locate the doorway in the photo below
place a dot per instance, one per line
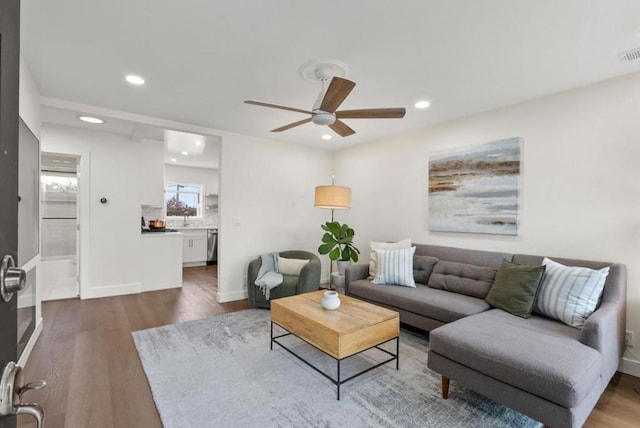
(60, 219)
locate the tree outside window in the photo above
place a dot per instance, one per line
(183, 200)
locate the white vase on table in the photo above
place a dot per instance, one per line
(331, 300)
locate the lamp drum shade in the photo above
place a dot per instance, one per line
(333, 197)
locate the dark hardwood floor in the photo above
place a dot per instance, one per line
(95, 378)
(87, 355)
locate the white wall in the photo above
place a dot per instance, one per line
(110, 233)
(151, 178)
(269, 186)
(580, 192)
(29, 106)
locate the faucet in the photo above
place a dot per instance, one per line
(185, 220)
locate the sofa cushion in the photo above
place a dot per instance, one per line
(537, 355)
(570, 293)
(422, 268)
(515, 288)
(291, 266)
(395, 267)
(462, 278)
(437, 304)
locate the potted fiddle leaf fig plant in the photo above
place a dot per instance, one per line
(337, 242)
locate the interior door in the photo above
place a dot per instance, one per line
(9, 81)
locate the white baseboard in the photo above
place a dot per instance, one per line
(230, 297)
(630, 367)
(30, 344)
(111, 290)
(192, 264)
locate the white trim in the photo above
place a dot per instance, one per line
(630, 367)
(117, 114)
(230, 297)
(112, 290)
(192, 264)
(30, 344)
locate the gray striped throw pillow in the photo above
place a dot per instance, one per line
(569, 294)
(395, 267)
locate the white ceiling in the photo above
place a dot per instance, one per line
(202, 59)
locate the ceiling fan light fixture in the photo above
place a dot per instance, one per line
(323, 118)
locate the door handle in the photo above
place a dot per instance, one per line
(12, 279)
(11, 389)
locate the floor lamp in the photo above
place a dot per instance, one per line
(332, 198)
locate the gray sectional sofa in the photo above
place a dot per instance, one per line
(541, 367)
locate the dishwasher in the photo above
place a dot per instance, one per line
(212, 246)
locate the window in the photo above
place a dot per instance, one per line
(183, 199)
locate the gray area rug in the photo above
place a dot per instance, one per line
(219, 372)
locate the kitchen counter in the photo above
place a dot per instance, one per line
(160, 234)
(193, 227)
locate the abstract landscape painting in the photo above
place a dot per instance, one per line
(475, 189)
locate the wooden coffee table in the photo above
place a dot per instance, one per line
(354, 327)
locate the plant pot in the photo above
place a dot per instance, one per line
(342, 265)
(337, 280)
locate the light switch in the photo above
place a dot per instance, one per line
(236, 221)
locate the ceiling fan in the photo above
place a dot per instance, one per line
(325, 109)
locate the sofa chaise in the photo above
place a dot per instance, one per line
(550, 371)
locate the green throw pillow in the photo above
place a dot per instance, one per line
(515, 288)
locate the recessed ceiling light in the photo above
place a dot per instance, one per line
(66, 161)
(57, 161)
(422, 104)
(198, 143)
(134, 80)
(90, 119)
(326, 137)
(174, 160)
(185, 153)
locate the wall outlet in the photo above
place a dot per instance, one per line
(629, 339)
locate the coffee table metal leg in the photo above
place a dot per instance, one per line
(338, 384)
(339, 381)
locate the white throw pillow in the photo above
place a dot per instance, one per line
(569, 293)
(291, 266)
(395, 267)
(405, 243)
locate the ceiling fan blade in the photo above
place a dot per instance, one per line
(341, 128)
(259, 103)
(337, 92)
(291, 125)
(372, 113)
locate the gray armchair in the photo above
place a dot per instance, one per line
(309, 279)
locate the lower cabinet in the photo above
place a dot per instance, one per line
(194, 246)
(161, 267)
